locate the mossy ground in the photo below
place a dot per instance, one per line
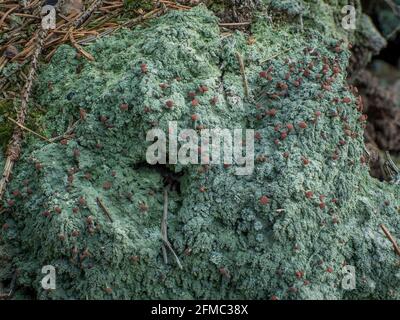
(324, 210)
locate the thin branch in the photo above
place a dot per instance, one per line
(3, 18)
(391, 239)
(104, 208)
(243, 72)
(29, 130)
(234, 24)
(66, 133)
(164, 226)
(79, 48)
(395, 8)
(276, 55)
(164, 235)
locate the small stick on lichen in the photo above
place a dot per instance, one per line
(66, 133)
(395, 7)
(276, 55)
(79, 48)
(12, 288)
(234, 24)
(27, 129)
(164, 234)
(391, 239)
(104, 208)
(164, 226)
(243, 73)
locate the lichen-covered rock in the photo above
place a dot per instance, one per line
(286, 231)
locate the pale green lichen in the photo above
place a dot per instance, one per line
(239, 248)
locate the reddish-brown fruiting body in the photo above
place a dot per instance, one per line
(285, 154)
(224, 272)
(82, 201)
(143, 68)
(203, 89)
(363, 118)
(124, 107)
(309, 194)
(89, 220)
(107, 185)
(305, 161)
(135, 259)
(75, 233)
(264, 200)
(302, 125)
(282, 86)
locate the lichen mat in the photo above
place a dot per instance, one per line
(286, 231)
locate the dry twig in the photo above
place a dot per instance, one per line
(27, 129)
(391, 239)
(164, 232)
(243, 73)
(104, 208)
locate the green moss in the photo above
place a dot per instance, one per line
(226, 228)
